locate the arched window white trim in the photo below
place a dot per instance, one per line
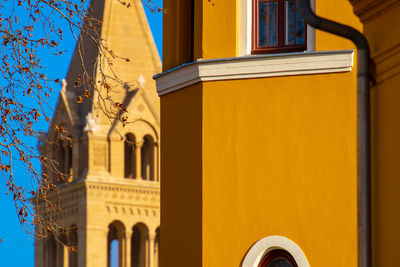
(267, 244)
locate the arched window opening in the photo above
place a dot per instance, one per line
(148, 158)
(61, 152)
(51, 252)
(278, 258)
(61, 248)
(68, 159)
(157, 248)
(73, 247)
(64, 159)
(139, 245)
(116, 245)
(130, 157)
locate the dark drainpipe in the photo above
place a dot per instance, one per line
(363, 124)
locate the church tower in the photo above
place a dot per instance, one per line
(110, 200)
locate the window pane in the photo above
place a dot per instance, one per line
(272, 23)
(278, 29)
(289, 22)
(262, 24)
(280, 262)
(267, 23)
(300, 26)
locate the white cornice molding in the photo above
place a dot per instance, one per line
(259, 66)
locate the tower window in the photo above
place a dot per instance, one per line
(68, 163)
(62, 153)
(130, 158)
(51, 252)
(148, 158)
(64, 159)
(139, 245)
(116, 245)
(157, 248)
(277, 258)
(73, 243)
(277, 27)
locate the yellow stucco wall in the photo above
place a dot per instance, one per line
(245, 159)
(386, 172)
(234, 174)
(181, 199)
(219, 29)
(342, 12)
(382, 29)
(177, 33)
(279, 158)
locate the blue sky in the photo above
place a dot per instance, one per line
(16, 248)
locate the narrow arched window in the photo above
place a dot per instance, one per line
(62, 153)
(147, 161)
(115, 245)
(51, 252)
(68, 159)
(157, 248)
(62, 247)
(130, 158)
(277, 258)
(73, 247)
(64, 159)
(139, 245)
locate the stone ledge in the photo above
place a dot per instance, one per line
(258, 66)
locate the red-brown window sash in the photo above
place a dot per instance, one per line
(281, 46)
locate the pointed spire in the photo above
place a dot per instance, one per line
(126, 32)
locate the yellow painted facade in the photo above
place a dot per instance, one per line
(382, 29)
(281, 169)
(215, 29)
(248, 158)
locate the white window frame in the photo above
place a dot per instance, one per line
(267, 244)
(245, 19)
